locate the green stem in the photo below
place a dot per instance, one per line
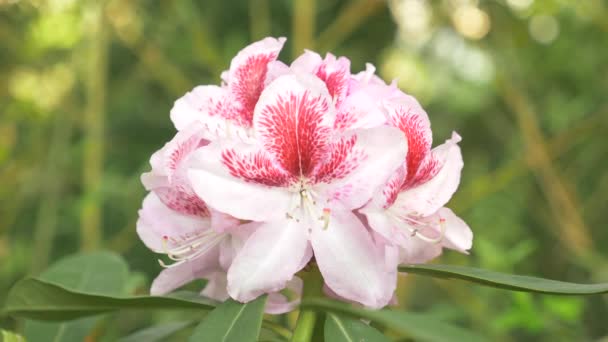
(313, 287)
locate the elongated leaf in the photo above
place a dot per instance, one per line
(37, 299)
(232, 322)
(417, 326)
(102, 273)
(157, 332)
(505, 281)
(343, 329)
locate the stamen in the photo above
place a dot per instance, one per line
(190, 248)
(415, 232)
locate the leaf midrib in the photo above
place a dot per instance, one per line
(233, 323)
(341, 327)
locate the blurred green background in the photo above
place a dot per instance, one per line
(86, 88)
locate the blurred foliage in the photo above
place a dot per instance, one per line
(86, 88)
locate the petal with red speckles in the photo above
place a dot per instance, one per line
(209, 105)
(441, 170)
(235, 185)
(168, 175)
(160, 227)
(405, 113)
(335, 72)
(247, 76)
(354, 174)
(293, 121)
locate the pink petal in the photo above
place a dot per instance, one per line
(276, 69)
(351, 264)
(368, 77)
(168, 175)
(248, 73)
(306, 63)
(230, 247)
(160, 227)
(293, 121)
(458, 235)
(216, 286)
(442, 169)
(221, 190)
(177, 276)
(363, 108)
(209, 105)
(354, 176)
(379, 222)
(268, 260)
(278, 303)
(221, 222)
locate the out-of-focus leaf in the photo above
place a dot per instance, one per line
(505, 281)
(102, 273)
(232, 322)
(342, 329)
(417, 326)
(9, 336)
(37, 299)
(157, 332)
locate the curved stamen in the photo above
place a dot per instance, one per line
(415, 232)
(191, 248)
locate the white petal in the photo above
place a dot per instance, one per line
(458, 235)
(156, 221)
(268, 260)
(176, 276)
(212, 181)
(416, 251)
(351, 264)
(379, 221)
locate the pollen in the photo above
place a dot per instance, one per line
(325, 217)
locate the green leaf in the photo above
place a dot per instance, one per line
(417, 326)
(156, 333)
(232, 321)
(37, 299)
(102, 273)
(9, 336)
(342, 329)
(505, 281)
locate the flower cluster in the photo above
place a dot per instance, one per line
(282, 165)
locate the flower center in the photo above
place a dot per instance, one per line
(304, 205)
(182, 250)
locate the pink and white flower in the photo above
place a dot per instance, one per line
(301, 179)
(282, 165)
(408, 210)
